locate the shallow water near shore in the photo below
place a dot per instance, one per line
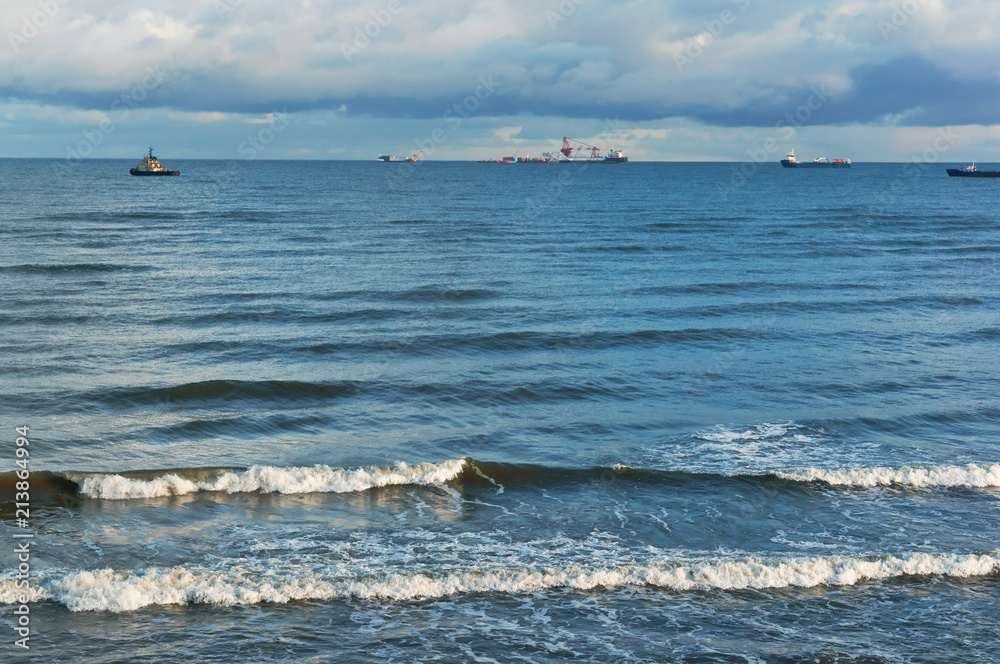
(451, 412)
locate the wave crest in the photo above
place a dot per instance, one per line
(269, 479)
(243, 582)
(970, 475)
(64, 487)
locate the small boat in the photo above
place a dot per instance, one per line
(388, 157)
(819, 162)
(972, 172)
(150, 166)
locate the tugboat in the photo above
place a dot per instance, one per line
(389, 157)
(150, 166)
(819, 162)
(972, 172)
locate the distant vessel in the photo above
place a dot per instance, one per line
(546, 158)
(503, 160)
(386, 157)
(150, 166)
(581, 153)
(819, 162)
(572, 154)
(972, 172)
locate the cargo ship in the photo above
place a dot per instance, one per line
(546, 158)
(151, 166)
(588, 154)
(972, 172)
(819, 162)
(387, 157)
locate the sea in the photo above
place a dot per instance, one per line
(308, 411)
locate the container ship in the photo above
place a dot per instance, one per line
(819, 162)
(151, 166)
(972, 172)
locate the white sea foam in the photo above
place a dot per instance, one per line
(266, 479)
(970, 475)
(751, 449)
(245, 582)
(757, 432)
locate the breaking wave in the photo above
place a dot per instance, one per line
(69, 486)
(252, 582)
(268, 479)
(969, 475)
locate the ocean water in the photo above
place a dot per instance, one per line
(458, 412)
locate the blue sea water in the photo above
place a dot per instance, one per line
(454, 412)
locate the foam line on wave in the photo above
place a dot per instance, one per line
(271, 479)
(968, 476)
(242, 582)
(324, 479)
(972, 476)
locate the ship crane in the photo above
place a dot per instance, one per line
(568, 149)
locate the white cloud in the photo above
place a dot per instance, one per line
(207, 116)
(506, 133)
(607, 58)
(259, 52)
(17, 112)
(267, 119)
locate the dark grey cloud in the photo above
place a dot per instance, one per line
(600, 59)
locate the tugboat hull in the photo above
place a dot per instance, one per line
(134, 171)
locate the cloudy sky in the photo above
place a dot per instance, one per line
(874, 80)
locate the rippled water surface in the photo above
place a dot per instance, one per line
(453, 412)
